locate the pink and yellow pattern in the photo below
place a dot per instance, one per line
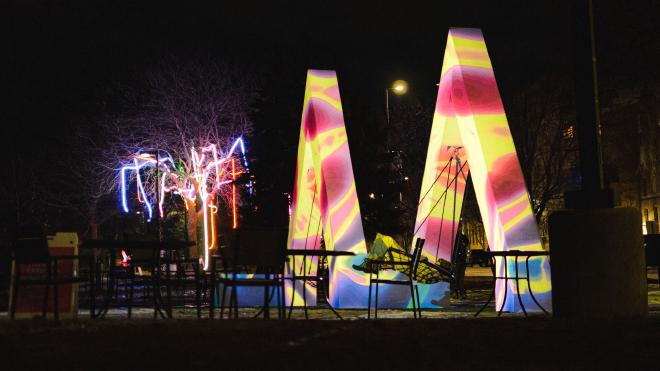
(470, 124)
(324, 198)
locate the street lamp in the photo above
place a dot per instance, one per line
(399, 87)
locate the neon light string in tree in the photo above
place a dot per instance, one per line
(208, 197)
(205, 179)
(140, 161)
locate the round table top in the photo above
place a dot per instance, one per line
(310, 252)
(515, 252)
(136, 245)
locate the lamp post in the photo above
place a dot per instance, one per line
(399, 87)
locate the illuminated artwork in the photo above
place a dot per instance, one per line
(139, 162)
(470, 134)
(203, 179)
(325, 201)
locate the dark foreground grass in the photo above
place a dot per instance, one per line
(486, 343)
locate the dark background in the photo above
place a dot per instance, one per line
(64, 60)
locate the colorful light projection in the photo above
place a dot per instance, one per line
(469, 124)
(203, 182)
(324, 198)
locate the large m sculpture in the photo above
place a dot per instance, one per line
(469, 126)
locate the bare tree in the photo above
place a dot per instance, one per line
(177, 107)
(21, 190)
(412, 122)
(399, 167)
(87, 180)
(186, 105)
(542, 122)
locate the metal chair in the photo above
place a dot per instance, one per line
(412, 262)
(252, 250)
(30, 247)
(148, 266)
(167, 270)
(117, 281)
(187, 273)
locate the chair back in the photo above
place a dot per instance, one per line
(264, 248)
(29, 245)
(416, 257)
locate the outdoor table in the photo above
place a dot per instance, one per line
(155, 247)
(515, 254)
(311, 253)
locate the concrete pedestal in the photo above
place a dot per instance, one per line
(597, 262)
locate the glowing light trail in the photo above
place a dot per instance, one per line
(208, 174)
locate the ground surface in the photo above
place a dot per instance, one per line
(458, 341)
(504, 343)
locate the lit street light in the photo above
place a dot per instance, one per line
(399, 87)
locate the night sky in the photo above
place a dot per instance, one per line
(65, 54)
(65, 57)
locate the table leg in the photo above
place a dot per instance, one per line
(154, 288)
(293, 294)
(376, 303)
(92, 291)
(333, 309)
(281, 305)
(293, 286)
(492, 293)
(369, 302)
(304, 286)
(198, 291)
(529, 286)
(326, 298)
(212, 287)
(419, 304)
(412, 297)
(56, 304)
(506, 285)
(111, 287)
(234, 295)
(168, 281)
(518, 286)
(266, 308)
(158, 299)
(319, 283)
(16, 269)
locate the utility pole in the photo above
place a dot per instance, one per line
(593, 193)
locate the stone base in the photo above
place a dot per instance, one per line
(597, 262)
